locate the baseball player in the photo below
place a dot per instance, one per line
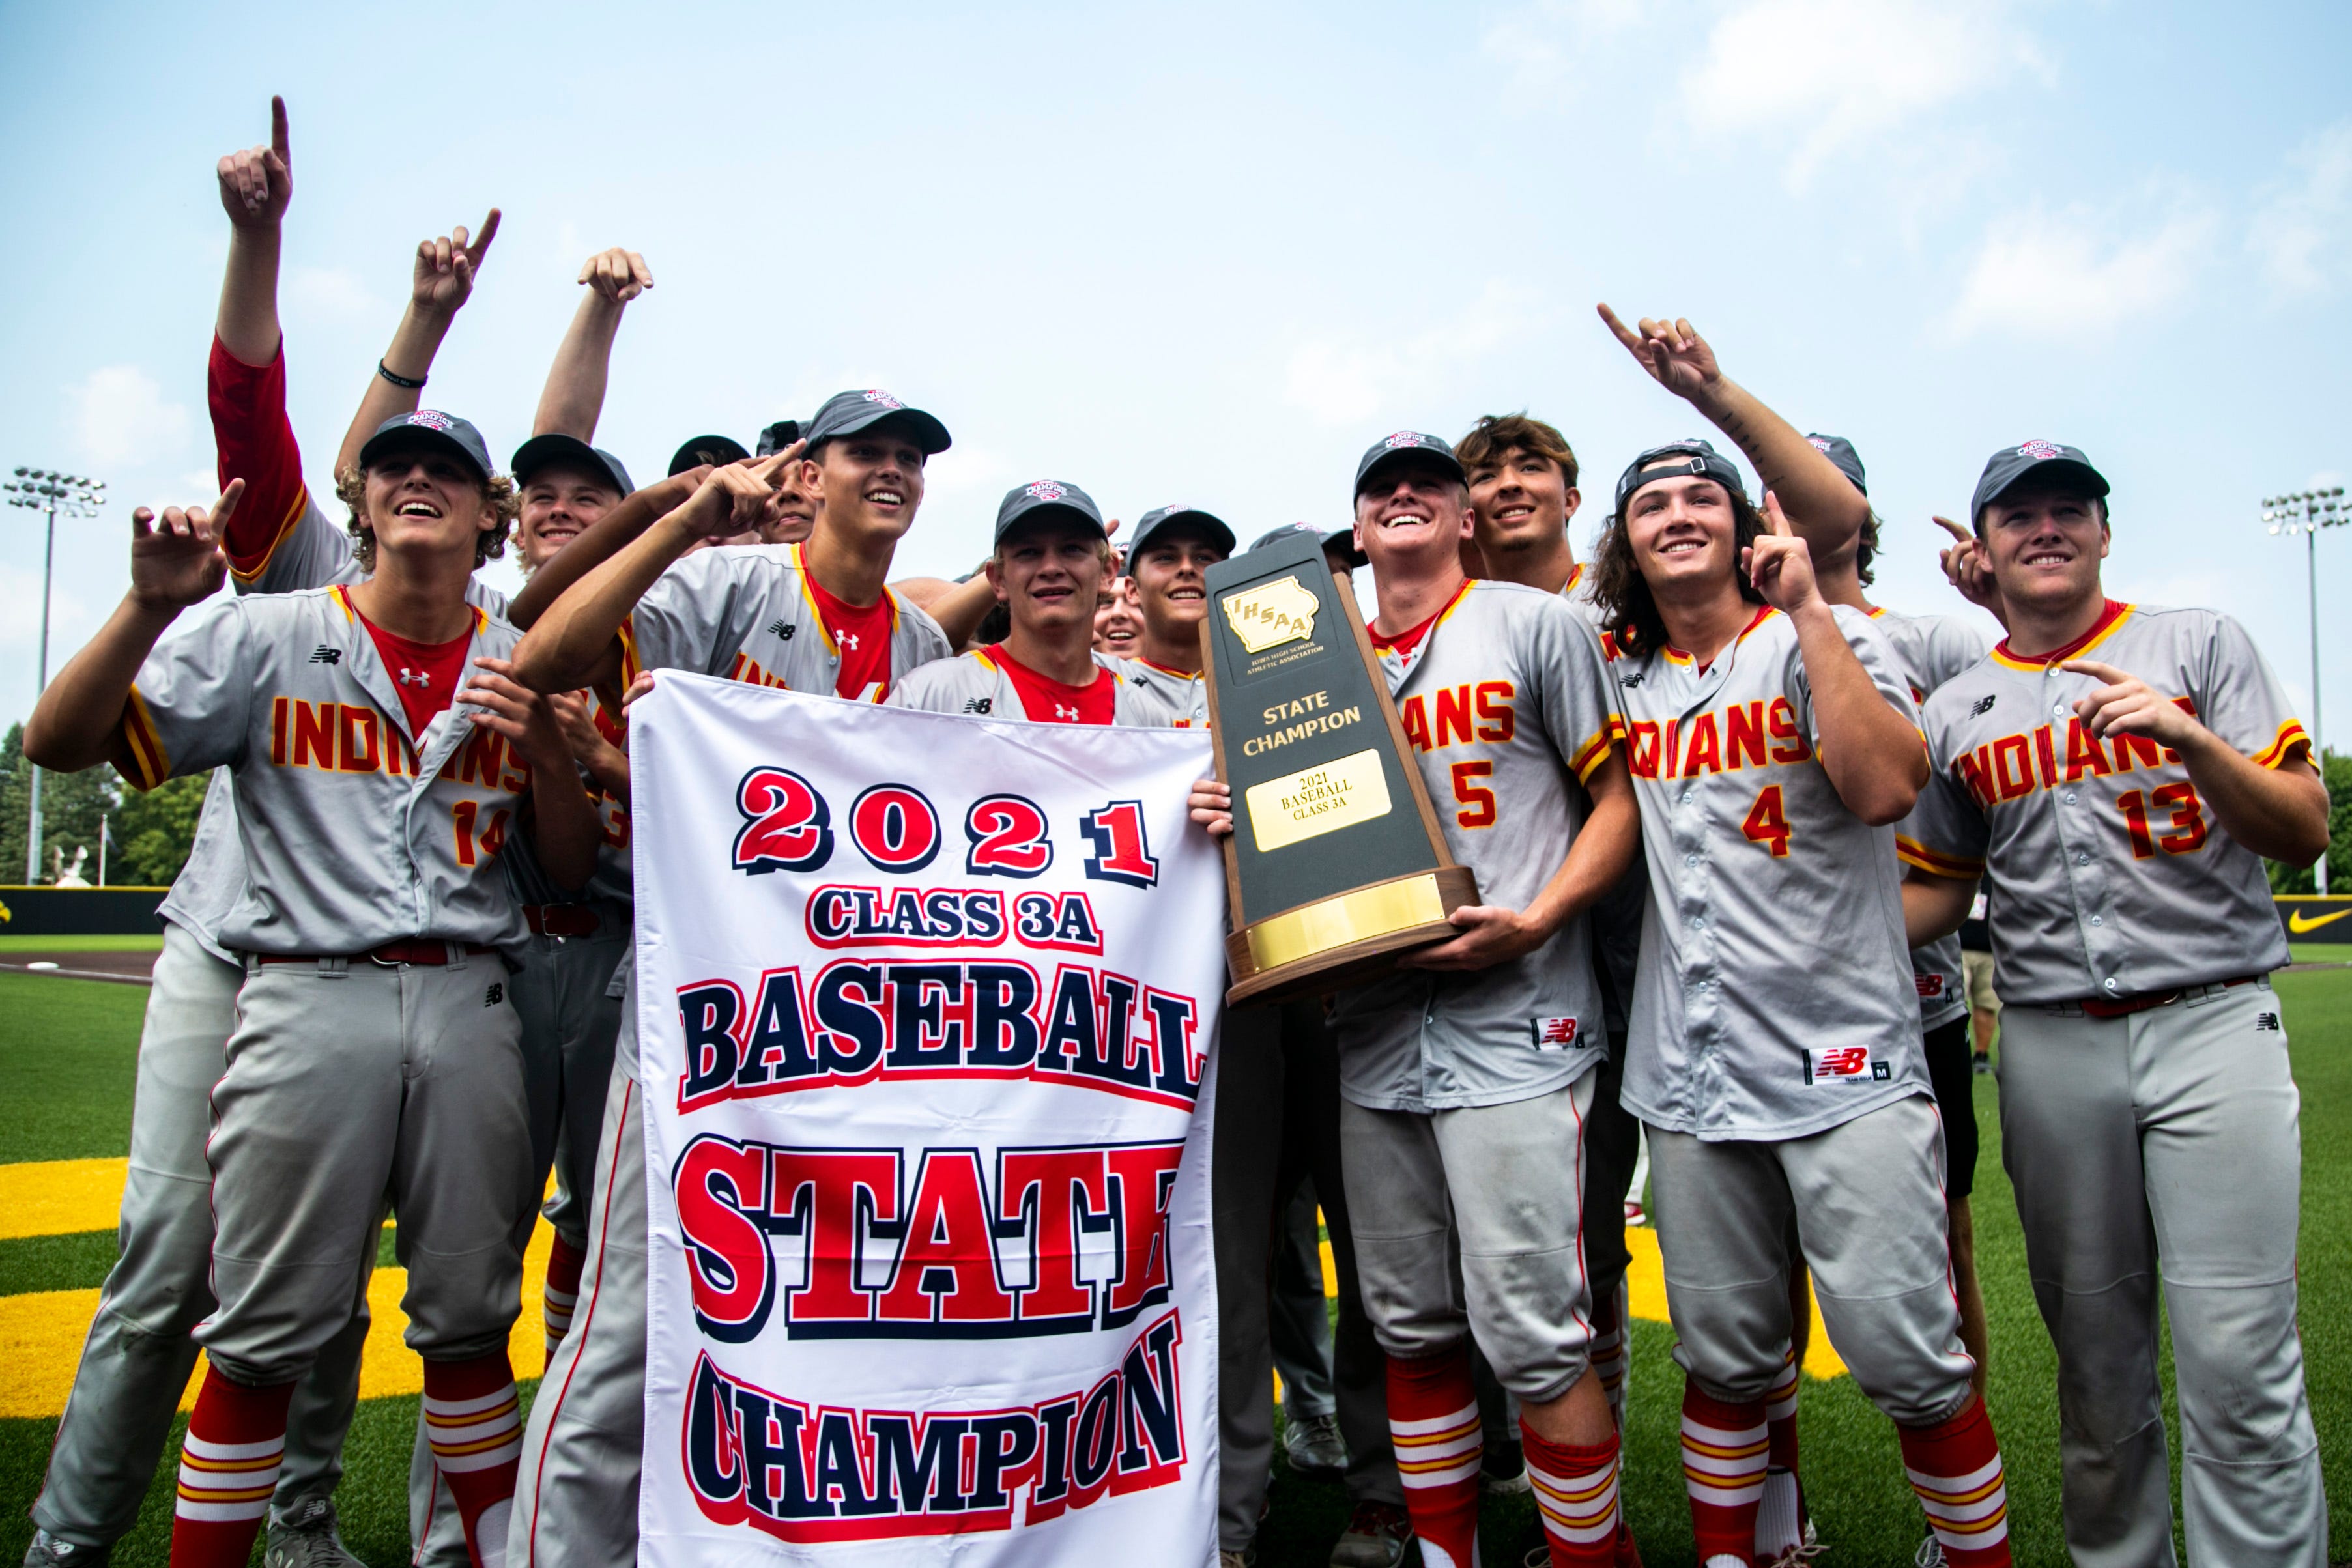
(2118, 771)
(1051, 560)
(1475, 1064)
(375, 1051)
(1166, 560)
(816, 617)
(1118, 624)
(139, 1354)
(1774, 1055)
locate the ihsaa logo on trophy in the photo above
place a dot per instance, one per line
(1271, 615)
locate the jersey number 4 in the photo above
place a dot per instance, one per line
(1766, 823)
(2187, 824)
(464, 816)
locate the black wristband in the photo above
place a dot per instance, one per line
(398, 380)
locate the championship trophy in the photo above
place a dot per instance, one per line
(1335, 864)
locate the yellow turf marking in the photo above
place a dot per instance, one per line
(41, 1336)
(59, 1197)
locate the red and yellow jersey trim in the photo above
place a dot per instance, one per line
(631, 666)
(2112, 616)
(1676, 656)
(153, 765)
(1595, 751)
(1171, 674)
(236, 564)
(1913, 853)
(1575, 575)
(341, 596)
(2291, 743)
(816, 612)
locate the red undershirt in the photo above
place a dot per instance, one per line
(1048, 701)
(862, 636)
(428, 673)
(1405, 642)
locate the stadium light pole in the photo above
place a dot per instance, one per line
(2306, 512)
(47, 490)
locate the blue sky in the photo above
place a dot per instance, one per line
(1209, 253)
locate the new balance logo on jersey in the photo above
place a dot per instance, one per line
(978, 704)
(2266, 1022)
(1982, 707)
(782, 631)
(1632, 680)
(409, 677)
(326, 655)
(497, 994)
(1553, 1034)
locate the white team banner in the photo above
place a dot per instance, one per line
(926, 1007)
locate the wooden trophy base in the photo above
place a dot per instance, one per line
(1346, 939)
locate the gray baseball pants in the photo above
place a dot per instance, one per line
(1467, 1221)
(568, 1027)
(139, 1355)
(347, 1082)
(2168, 1137)
(1868, 1202)
(576, 1502)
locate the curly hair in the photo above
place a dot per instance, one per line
(1495, 433)
(1866, 549)
(1633, 620)
(506, 505)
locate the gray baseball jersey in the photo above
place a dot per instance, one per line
(1616, 916)
(355, 832)
(1506, 701)
(1931, 650)
(1774, 997)
(1181, 700)
(745, 612)
(2109, 879)
(978, 686)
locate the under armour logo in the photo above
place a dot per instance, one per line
(409, 677)
(978, 704)
(782, 631)
(498, 993)
(326, 655)
(849, 641)
(1982, 707)
(1067, 715)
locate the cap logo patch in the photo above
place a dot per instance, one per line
(1404, 438)
(2040, 449)
(430, 419)
(1817, 443)
(1045, 490)
(875, 394)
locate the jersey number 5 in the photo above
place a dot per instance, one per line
(1477, 801)
(2188, 820)
(1766, 823)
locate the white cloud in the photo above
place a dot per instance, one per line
(2077, 271)
(1832, 74)
(1542, 42)
(119, 414)
(2305, 219)
(1345, 380)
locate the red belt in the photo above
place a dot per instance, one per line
(563, 919)
(415, 950)
(2124, 1006)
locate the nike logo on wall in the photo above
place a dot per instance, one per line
(2299, 922)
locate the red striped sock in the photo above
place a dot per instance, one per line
(1724, 1450)
(1433, 1424)
(1576, 1494)
(1955, 1467)
(229, 1467)
(474, 1422)
(562, 1290)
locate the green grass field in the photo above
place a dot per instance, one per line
(19, 942)
(66, 1073)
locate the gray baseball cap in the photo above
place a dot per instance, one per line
(1673, 461)
(1160, 518)
(1334, 541)
(1408, 446)
(1840, 451)
(846, 414)
(774, 438)
(2005, 468)
(546, 451)
(1022, 503)
(706, 451)
(431, 428)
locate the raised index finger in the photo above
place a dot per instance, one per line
(2098, 671)
(277, 138)
(767, 468)
(481, 245)
(1959, 533)
(1630, 340)
(1775, 520)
